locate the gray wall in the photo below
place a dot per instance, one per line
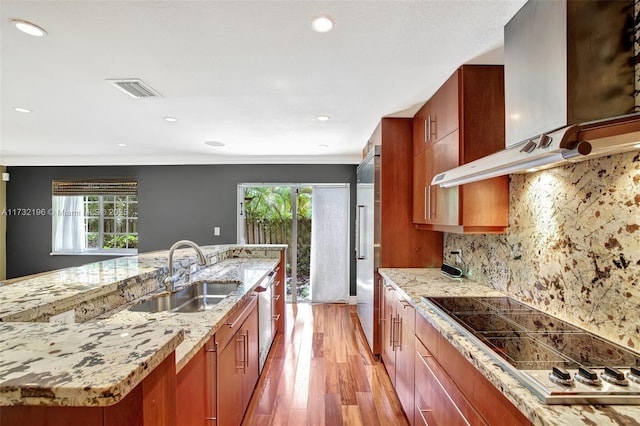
(174, 202)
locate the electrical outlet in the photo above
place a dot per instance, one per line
(458, 255)
(216, 231)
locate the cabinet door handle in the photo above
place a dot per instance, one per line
(246, 350)
(428, 201)
(426, 130)
(240, 340)
(422, 412)
(380, 304)
(240, 316)
(391, 330)
(276, 317)
(360, 249)
(276, 297)
(425, 203)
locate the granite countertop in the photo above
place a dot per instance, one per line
(78, 364)
(200, 326)
(96, 363)
(414, 283)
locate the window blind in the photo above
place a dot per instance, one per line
(95, 187)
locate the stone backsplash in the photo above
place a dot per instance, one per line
(572, 247)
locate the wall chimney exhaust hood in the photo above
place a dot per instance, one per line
(573, 143)
(568, 68)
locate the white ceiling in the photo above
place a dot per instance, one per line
(250, 74)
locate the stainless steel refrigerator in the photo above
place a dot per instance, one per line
(368, 233)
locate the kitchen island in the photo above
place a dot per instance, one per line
(412, 284)
(106, 358)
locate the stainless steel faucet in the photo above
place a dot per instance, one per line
(170, 281)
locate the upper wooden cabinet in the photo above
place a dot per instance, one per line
(403, 246)
(463, 121)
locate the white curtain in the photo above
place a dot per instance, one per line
(68, 224)
(330, 244)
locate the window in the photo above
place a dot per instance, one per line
(95, 217)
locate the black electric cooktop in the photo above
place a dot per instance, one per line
(560, 362)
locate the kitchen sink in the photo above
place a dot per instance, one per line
(199, 296)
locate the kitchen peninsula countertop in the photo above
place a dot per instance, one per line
(414, 283)
(96, 363)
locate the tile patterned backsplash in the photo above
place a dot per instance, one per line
(572, 247)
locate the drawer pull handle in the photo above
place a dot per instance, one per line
(276, 297)
(422, 413)
(276, 317)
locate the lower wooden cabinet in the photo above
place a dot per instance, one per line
(405, 356)
(438, 400)
(196, 402)
(449, 390)
(398, 335)
(238, 365)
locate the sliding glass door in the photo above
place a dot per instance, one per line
(299, 215)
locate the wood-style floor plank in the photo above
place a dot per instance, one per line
(321, 372)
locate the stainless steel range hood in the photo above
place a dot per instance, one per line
(573, 143)
(568, 68)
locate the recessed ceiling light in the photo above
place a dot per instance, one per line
(122, 144)
(28, 27)
(20, 109)
(323, 118)
(323, 146)
(171, 119)
(214, 143)
(322, 24)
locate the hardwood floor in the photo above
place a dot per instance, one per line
(321, 372)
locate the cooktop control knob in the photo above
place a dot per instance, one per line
(545, 141)
(634, 374)
(588, 377)
(615, 376)
(560, 376)
(529, 146)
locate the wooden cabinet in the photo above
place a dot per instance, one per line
(398, 335)
(449, 390)
(438, 400)
(387, 330)
(196, 402)
(402, 245)
(237, 363)
(422, 130)
(464, 122)
(405, 356)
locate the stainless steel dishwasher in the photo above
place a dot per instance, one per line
(265, 317)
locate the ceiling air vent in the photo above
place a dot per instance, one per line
(135, 88)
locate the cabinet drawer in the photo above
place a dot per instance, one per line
(234, 321)
(438, 400)
(428, 335)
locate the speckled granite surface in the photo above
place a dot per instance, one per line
(200, 326)
(78, 364)
(415, 283)
(572, 247)
(93, 363)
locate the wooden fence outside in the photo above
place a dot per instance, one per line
(274, 232)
